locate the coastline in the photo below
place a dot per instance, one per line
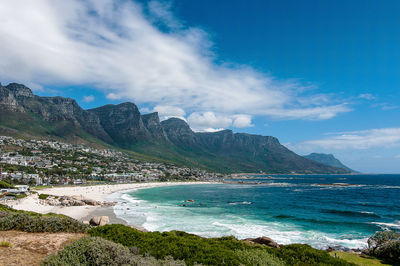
(95, 192)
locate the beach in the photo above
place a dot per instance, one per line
(95, 192)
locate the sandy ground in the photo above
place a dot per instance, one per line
(97, 192)
(32, 248)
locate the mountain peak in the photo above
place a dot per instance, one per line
(20, 90)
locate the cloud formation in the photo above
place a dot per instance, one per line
(355, 140)
(88, 98)
(142, 53)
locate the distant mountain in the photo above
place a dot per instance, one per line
(123, 126)
(328, 159)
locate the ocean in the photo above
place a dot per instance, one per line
(319, 210)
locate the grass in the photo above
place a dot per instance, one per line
(5, 244)
(357, 259)
(43, 196)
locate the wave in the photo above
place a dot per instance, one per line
(387, 225)
(351, 213)
(289, 235)
(278, 184)
(241, 203)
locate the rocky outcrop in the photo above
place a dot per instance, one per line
(99, 221)
(152, 123)
(263, 241)
(68, 201)
(179, 132)
(122, 123)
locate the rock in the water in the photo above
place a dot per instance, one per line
(263, 241)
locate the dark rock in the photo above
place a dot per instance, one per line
(263, 241)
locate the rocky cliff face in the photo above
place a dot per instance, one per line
(122, 125)
(19, 98)
(152, 123)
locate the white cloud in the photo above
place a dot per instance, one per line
(397, 156)
(367, 96)
(116, 46)
(356, 140)
(242, 121)
(209, 121)
(166, 111)
(88, 98)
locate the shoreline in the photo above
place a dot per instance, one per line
(95, 192)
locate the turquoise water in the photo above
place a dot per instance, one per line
(289, 209)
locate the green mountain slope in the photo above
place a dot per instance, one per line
(328, 159)
(122, 126)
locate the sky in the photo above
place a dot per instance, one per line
(321, 76)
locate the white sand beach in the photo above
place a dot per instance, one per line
(95, 192)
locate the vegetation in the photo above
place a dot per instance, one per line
(16, 196)
(212, 251)
(5, 185)
(385, 245)
(34, 222)
(357, 259)
(5, 244)
(98, 251)
(43, 196)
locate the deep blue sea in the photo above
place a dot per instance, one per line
(286, 208)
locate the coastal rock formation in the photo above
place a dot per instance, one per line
(263, 241)
(68, 201)
(99, 221)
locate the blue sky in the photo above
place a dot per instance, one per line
(322, 76)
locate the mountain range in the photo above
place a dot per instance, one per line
(122, 126)
(328, 159)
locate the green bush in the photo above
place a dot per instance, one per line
(381, 238)
(211, 251)
(390, 252)
(5, 185)
(98, 251)
(5, 244)
(43, 196)
(37, 223)
(258, 257)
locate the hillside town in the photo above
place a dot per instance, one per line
(49, 162)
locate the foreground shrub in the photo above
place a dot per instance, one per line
(258, 257)
(390, 252)
(5, 244)
(98, 251)
(43, 196)
(211, 251)
(381, 238)
(27, 223)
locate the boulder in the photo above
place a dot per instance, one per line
(91, 202)
(263, 241)
(104, 220)
(99, 220)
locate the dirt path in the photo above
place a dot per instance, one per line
(32, 248)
